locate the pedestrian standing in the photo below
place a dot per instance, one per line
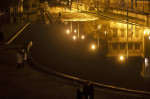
(24, 56)
(88, 90)
(19, 59)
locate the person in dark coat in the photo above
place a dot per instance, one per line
(88, 90)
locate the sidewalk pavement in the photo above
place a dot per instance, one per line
(26, 82)
(30, 83)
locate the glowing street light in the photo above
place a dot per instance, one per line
(93, 47)
(82, 37)
(105, 32)
(149, 37)
(121, 58)
(74, 37)
(144, 32)
(75, 31)
(68, 31)
(99, 26)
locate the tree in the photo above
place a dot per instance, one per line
(30, 3)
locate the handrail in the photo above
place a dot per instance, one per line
(50, 71)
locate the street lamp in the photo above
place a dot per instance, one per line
(127, 28)
(105, 32)
(93, 47)
(74, 37)
(71, 26)
(75, 31)
(144, 32)
(82, 37)
(99, 26)
(68, 31)
(121, 58)
(78, 29)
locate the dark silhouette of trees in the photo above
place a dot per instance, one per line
(31, 3)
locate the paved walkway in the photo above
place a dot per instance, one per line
(26, 82)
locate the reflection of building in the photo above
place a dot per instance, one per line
(10, 6)
(136, 5)
(146, 69)
(16, 7)
(118, 42)
(142, 5)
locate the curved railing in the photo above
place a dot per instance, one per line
(143, 94)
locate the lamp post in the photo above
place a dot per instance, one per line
(98, 34)
(97, 5)
(143, 5)
(99, 26)
(71, 26)
(78, 29)
(144, 43)
(127, 29)
(77, 5)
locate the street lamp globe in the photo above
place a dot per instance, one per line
(105, 32)
(121, 58)
(93, 47)
(82, 36)
(144, 32)
(68, 31)
(74, 37)
(75, 31)
(99, 26)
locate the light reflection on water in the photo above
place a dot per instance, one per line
(115, 35)
(101, 56)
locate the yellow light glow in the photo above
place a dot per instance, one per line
(74, 37)
(148, 32)
(144, 32)
(68, 31)
(82, 36)
(105, 32)
(99, 26)
(121, 58)
(149, 37)
(93, 46)
(75, 31)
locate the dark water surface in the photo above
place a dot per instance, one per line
(73, 54)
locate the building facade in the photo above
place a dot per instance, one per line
(138, 6)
